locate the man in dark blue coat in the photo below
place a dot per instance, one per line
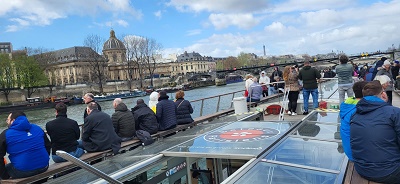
(375, 135)
(145, 119)
(377, 65)
(27, 145)
(166, 112)
(98, 131)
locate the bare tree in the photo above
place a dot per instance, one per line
(151, 50)
(98, 64)
(134, 51)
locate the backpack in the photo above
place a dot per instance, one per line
(145, 137)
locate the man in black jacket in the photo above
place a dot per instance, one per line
(145, 119)
(87, 99)
(309, 76)
(64, 134)
(166, 112)
(98, 131)
(123, 121)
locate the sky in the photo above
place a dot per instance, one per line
(217, 28)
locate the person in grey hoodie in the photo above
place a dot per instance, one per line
(344, 72)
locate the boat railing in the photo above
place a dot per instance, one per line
(218, 102)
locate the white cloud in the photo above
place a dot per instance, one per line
(244, 21)
(310, 5)
(193, 32)
(43, 12)
(122, 23)
(224, 6)
(158, 14)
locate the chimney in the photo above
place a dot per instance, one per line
(264, 49)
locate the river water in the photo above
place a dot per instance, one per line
(41, 117)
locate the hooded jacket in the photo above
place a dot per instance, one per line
(183, 111)
(27, 145)
(166, 113)
(98, 133)
(309, 77)
(153, 101)
(347, 109)
(374, 137)
(123, 121)
(145, 119)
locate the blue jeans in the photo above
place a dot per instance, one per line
(15, 173)
(306, 96)
(272, 90)
(77, 153)
(252, 99)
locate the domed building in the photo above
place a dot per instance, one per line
(114, 50)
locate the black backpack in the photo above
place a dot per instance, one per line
(145, 137)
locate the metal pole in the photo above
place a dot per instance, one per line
(233, 96)
(201, 107)
(87, 167)
(219, 99)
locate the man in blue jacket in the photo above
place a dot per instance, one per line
(347, 109)
(27, 145)
(375, 135)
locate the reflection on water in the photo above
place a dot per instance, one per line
(41, 117)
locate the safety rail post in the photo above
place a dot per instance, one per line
(233, 96)
(201, 107)
(219, 99)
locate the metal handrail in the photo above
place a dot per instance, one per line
(87, 167)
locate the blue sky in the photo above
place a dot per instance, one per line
(217, 28)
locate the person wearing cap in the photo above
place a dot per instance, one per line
(87, 99)
(264, 81)
(345, 80)
(377, 65)
(374, 136)
(385, 70)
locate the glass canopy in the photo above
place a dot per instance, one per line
(238, 140)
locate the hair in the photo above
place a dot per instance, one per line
(358, 88)
(61, 108)
(162, 93)
(92, 105)
(286, 72)
(307, 62)
(16, 114)
(90, 95)
(179, 94)
(383, 79)
(248, 76)
(277, 78)
(140, 101)
(343, 59)
(372, 88)
(117, 101)
(255, 79)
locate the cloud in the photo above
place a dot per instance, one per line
(310, 5)
(122, 23)
(244, 21)
(220, 6)
(158, 14)
(193, 32)
(43, 12)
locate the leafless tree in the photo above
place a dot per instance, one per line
(98, 64)
(133, 57)
(151, 50)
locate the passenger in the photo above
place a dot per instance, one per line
(183, 109)
(87, 99)
(153, 101)
(374, 132)
(395, 69)
(345, 80)
(98, 131)
(377, 65)
(368, 77)
(264, 81)
(276, 72)
(290, 76)
(347, 109)
(255, 92)
(123, 121)
(309, 76)
(385, 70)
(64, 134)
(384, 80)
(145, 119)
(248, 82)
(166, 112)
(27, 146)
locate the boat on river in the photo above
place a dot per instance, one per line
(122, 95)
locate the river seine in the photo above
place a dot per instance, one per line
(41, 117)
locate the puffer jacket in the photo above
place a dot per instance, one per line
(166, 113)
(293, 81)
(309, 77)
(183, 111)
(145, 119)
(347, 109)
(27, 145)
(123, 121)
(374, 137)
